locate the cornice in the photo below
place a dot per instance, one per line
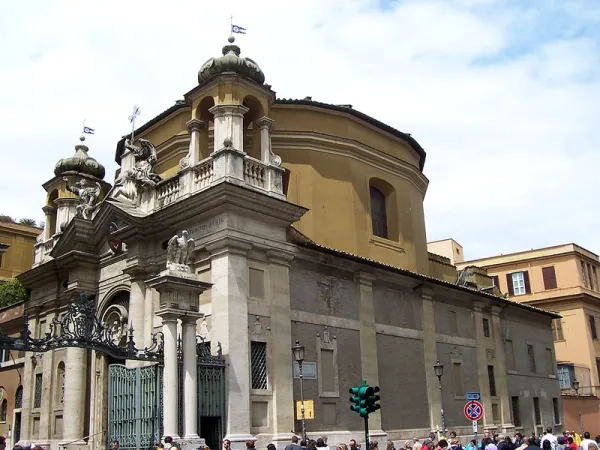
(336, 145)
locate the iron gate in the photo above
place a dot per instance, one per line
(134, 406)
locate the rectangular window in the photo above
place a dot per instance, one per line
(5, 356)
(496, 281)
(256, 282)
(492, 380)
(458, 381)
(516, 411)
(258, 360)
(557, 330)
(531, 355)
(556, 410)
(595, 277)
(37, 399)
(598, 368)
(510, 355)
(592, 321)
(536, 411)
(583, 277)
(452, 322)
(486, 327)
(566, 375)
(518, 283)
(549, 275)
(590, 277)
(550, 362)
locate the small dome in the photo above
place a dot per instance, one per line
(80, 162)
(231, 61)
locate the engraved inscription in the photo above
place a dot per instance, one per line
(206, 227)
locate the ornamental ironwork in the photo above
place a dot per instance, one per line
(80, 327)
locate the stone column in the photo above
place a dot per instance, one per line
(368, 343)
(195, 127)
(266, 125)
(190, 379)
(74, 405)
(482, 363)
(434, 399)
(28, 390)
(48, 394)
(500, 370)
(228, 123)
(281, 353)
(49, 218)
(148, 317)
(137, 309)
(65, 211)
(170, 378)
(229, 271)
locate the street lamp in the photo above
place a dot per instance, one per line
(438, 367)
(576, 387)
(298, 351)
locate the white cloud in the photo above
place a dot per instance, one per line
(503, 103)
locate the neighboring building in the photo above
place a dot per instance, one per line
(16, 249)
(314, 232)
(11, 376)
(563, 278)
(448, 248)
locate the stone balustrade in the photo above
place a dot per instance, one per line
(255, 172)
(42, 250)
(167, 191)
(203, 172)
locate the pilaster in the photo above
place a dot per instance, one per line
(49, 211)
(65, 211)
(195, 127)
(75, 405)
(281, 329)
(170, 376)
(229, 268)
(137, 305)
(482, 363)
(500, 371)
(266, 125)
(434, 399)
(28, 390)
(48, 395)
(368, 339)
(229, 124)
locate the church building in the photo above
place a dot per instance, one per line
(298, 221)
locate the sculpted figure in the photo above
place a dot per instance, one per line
(142, 173)
(87, 194)
(179, 250)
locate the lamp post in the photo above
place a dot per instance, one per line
(438, 367)
(298, 351)
(576, 387)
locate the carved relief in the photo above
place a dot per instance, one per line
(87, 196)
(115, 319)
(455, 353)
(490, 355)
(330, 293)
(204, 330)
(142, 174)
(179, 251)
(258, 329)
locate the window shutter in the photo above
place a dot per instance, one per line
(549, 277)
(509, 283)
(496, 281)
(526, 280)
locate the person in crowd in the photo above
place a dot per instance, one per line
(353, 445)
(416, 444)
(550, 437)
(472, 445)
(18, 447)
(560, 443)
(226, 444)
(303, 444)
(571, 443)
(442, 444)
(168, 443)
(159, 446)
(341, 446)
(321, 444)
(546, 445)
(586, 442)
(114, 445)
(250, 445)
(505, 443)
(534, 443)
(294, 445)
(517, 441)
(486, 440)
(272, 447)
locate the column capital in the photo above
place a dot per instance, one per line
(195, 125)
(365, 278)
(191, 319)
(265, 123)
(167, 316)
(48, 209)
(233, 109)
(279, 256)
(66, 201)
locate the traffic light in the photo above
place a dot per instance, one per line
(364, 401)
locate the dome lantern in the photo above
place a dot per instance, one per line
(231, 62)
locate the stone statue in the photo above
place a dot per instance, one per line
(142, 173)
(87, 194)
(179, 250)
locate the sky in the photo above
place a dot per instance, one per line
(503, 95)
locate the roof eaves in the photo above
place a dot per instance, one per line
(362, 116)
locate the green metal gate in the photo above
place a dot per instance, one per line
(134, 406)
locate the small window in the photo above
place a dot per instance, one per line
(486, 328)
(549, 276)
(594, 273)
(593, 330)
(37, 399)
(583, 277)
(458, 380)
(378, 213)
(550, 362)
(492, 380)
(258, 360)
(557, 330)
(510, 355)
(536, 411)
(496, 281)
(19, 397)
(3, 410)
(591, 277)
(531, 355)
(516, 411)
(556, 410)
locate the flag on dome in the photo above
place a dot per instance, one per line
(238, 29)
(88, 130)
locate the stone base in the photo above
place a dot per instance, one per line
(191, 443)
(238, 441)
(79, 445)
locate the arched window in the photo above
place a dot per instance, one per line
(378, 213)
(19, 398)
(60, 384)
(3, 410)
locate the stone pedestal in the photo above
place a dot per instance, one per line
(179, 291)
(228, 163)
(228, 124)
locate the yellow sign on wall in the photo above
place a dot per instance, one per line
(309, 410)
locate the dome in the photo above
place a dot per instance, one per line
(231, 61)
(80, 162)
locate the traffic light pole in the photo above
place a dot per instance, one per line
(367, 439)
